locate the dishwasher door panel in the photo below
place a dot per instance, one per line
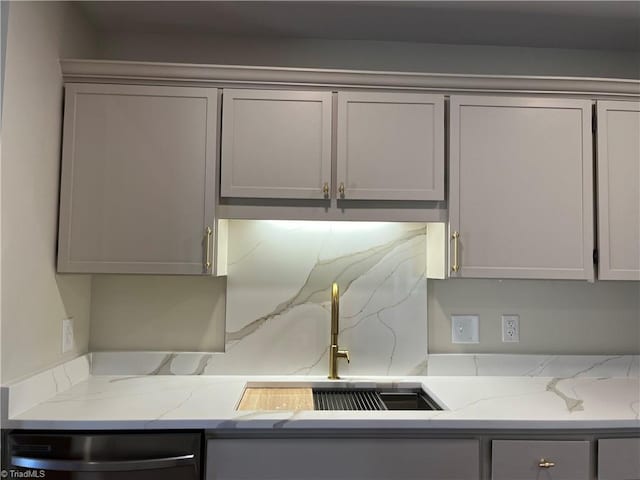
(106, 455)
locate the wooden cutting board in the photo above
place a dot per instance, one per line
(276, 399)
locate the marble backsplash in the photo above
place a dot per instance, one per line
(562, 366)
(25, 393)
(278, 298)
(438, 365)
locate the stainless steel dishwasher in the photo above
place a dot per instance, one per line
(105, 455)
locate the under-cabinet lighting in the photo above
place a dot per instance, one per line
(327, 226)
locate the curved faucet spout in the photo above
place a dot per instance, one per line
(334, 350)
(335, 313)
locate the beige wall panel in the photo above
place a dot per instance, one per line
(175, 313)
(556, 317)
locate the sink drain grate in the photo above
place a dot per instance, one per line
(347, 400)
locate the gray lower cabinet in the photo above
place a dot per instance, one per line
(521, 188)
(138, 180)
(618, 190)
(619, 459)
(540, 459)
(343, 459)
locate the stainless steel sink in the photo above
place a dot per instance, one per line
(360, 395)
(392, 398)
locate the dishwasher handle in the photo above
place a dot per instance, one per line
(104, 466)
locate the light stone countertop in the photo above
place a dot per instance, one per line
(209, 402)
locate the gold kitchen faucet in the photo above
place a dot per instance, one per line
(334, 351)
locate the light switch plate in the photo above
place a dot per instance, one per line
(68, 342)
(465, 329)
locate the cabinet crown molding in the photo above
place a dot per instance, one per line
(109, 71)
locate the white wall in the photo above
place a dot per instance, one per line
(4, 17)
(34, 298)
(358, 54)
(557, 317)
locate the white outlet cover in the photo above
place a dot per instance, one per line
(511, 328)
(465, 329)
(68, 340)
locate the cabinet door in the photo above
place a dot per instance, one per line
(537, 460)
(276, 144)
(619, 459)
(343, 459)
(138, 179)
(619, 190)
(390, 146)
(521, 196)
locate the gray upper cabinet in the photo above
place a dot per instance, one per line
(521, 188)
(138, 179)
(276, 144)
(390, 146)
(619, 190)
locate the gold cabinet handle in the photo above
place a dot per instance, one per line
(456, 266)
(325, 189)
(545, 463)
(341, 189)
(209, 232)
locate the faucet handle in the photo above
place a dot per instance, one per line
(344, 354)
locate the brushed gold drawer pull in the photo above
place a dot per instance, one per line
(545, 463)
(456, 266)
(325, 189)
(341, 189)
(209, 232)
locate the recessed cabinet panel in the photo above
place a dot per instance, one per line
(342, 459)
(138, 179)
(276, 144)
(536, 460)
(619, 190)
(619, 459)
(390, 146)
(521, 191)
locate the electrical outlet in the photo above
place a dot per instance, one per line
(465, 329)
(511, 328)
(68, 342)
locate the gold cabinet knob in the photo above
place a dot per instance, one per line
(325, 189)
(341, 189)
(545, 463)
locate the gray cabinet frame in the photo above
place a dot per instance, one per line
(92, 201)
